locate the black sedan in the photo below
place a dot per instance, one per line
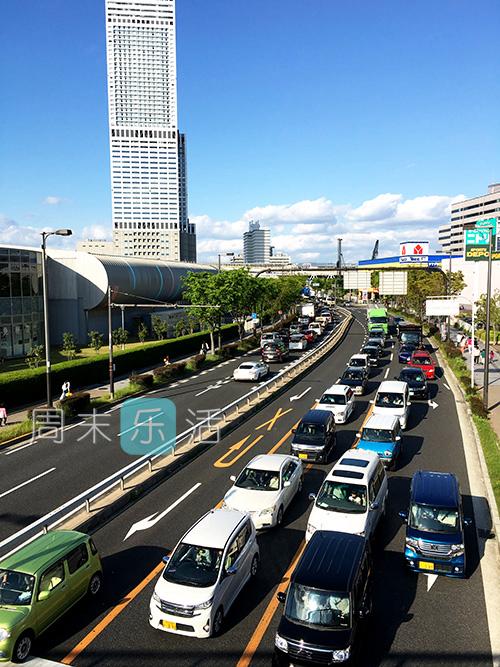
(373, 352)
(405, 352)
(356, 378)
(416, 381)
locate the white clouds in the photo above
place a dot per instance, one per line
(52, 200)
(308, 229)
(12, 232)
(96, 233)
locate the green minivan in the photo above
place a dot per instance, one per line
(39, 583)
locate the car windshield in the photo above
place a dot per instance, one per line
(371, 351)
(342, 497)
(16, 588)
(433, 519)
(357, 363)
(333, 399)
(353, 375)
(311, 606)
(258, 480)
(314, 431)
(377, 435)
(387, 399)
(421, 361)
(378, 320)
(408, 348)
(375, 341)
(296, 338)
(193, 566)
(408, 376)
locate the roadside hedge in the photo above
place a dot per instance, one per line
(19, 388)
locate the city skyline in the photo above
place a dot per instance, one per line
(315, 146)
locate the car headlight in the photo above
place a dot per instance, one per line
(268, 510)
(457, 549)
(281, 643)
(156, 598)
(4, 634)
(361, 534)
(343, 654)
(388, 453)
(224, 505)
(204, 605)
(411, 543)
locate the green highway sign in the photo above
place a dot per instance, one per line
(476, 237)
(488, 222)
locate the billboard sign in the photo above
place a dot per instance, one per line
(357, 280)
(414, 252)
(488, 222)
(393, 283)
(476, 241)
(442, 307)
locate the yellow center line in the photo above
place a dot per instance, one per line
(222, 463)
(368, 415)
(271, 422)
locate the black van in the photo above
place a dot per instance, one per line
(329, 593)
(314, 437)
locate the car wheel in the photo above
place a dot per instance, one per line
(279, 518)
(95, 585)
(217, 623)
(254, 568)
(22, 647)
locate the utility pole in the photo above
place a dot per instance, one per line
(487, 337)
(110, 344)
(339, 265)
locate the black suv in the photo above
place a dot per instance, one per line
(329, 593)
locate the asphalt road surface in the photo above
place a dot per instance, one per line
(413, 622)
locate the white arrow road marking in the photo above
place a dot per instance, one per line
(151, 520)
(296, 398)
(444, 383)
(217, 385)
(20, 486)
(432, 404)
(431, 580)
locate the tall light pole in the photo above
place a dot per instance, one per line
(45, 235)
(224, 254)
(110, 345)
(487, 337)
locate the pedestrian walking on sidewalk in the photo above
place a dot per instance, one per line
(66, 390)
(3, 415)
(204, 348)
(166, 360)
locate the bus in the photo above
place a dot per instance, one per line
(378, 318)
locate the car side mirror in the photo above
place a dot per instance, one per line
(358, 435)
(467, 521)
(281, 596)
(403, 515)
(294, 430)
(286, 484)
(232, 570)
(312, 496)
(372, 402)
(166, 559)
(43, 595)
(374, 506)
(397, 438)
(408, 403)
(232, 478)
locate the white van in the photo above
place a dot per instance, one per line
(393, 398)
(359, 361)
(352, 497)
(203, 576)
(316, 326)
(339, 399)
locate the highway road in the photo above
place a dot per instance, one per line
(416, 620)
(35, 479)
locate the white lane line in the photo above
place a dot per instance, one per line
(20, 486)
(172, 386)
(183, 381)
(209, 370)
(392, 356)
(193, 377)
(202, 373)
(386, 373)
(135, 426)
(18, 449)
(444, 383)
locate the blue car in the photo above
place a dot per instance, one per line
(405, 352)
(382, 434)
(435, 536)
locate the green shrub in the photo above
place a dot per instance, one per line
(477, 407)
(76, 404)
(144, 381)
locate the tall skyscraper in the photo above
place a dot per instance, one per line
(148, 153)
(256, 244)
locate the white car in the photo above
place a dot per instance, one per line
(297, 342)
(205, 573)
(251, 371)
(338, 399)
(316, 326)
(353, 496)
(393, 398)
(265, 488)
(359, 361)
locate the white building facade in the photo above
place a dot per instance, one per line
(468, 212)
(256, 244)
(147, 151)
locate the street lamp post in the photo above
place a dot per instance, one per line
(487, 337)
(45, 235)
(110, 345)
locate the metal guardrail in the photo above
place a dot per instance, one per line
(118, 479)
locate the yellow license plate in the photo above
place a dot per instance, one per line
(302, 456)
(170, 625)
(426, 566)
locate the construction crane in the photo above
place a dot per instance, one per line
(375, 250)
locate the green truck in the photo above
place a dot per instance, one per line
(378, 319)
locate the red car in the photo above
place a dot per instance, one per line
(423, 361)
(310, 335)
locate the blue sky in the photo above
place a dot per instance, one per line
(319, 117)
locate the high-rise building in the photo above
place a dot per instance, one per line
(256, 244)
(467, 213)
(148, 153)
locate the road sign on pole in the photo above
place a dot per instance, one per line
(490, 223)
